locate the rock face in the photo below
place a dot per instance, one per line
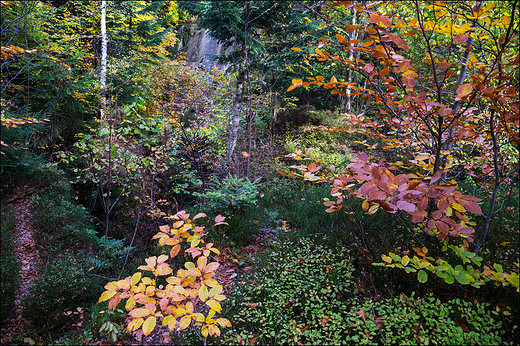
(203, 49)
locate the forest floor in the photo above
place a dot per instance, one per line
(26, 253)
(233, 267)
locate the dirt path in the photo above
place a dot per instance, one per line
(26, 253)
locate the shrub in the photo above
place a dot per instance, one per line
(62, 286)
(9, 266)
(56, 216)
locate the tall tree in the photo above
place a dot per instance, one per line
(103, 64)
(259, 34)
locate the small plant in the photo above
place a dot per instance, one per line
(299, 295)
(233, 193)
(176, 298)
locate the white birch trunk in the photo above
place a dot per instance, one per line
(103, 70)
(235, 120)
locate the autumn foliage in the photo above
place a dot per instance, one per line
(430, 122)
(175, 299)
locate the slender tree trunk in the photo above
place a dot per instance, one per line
(235, 120)
(353, 21)
(460, 80)
(103, 71)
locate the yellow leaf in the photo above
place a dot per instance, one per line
(405, 260)
(135, 278)
(365, 205)
(173, 280)
(448, 212)
(111, 286)
(213, 304)
(213, 329)
(149, 325)
(163, 271)
(194, 272)
(185, 322)
(130, 303)
(203, 293)
(139, 312)
(106, 296)
(297, 49)
(211, 267)
(134, 325)
(148, 281)
(215, 290)
(204, 331)
(189, 307)
(162, 258)
(373, 208)
(292, 87)
(386, 258)
(201, 262)
(458, 207)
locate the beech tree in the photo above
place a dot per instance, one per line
(441, 125)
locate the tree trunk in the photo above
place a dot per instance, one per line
(353, 21)
(448, 144)
(235, 120)
(103, 70)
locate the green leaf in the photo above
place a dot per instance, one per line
(462, 278)
(449, 279)
(422, 276)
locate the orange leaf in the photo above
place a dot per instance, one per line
(464, 90)
(341, 39)
(175, 250)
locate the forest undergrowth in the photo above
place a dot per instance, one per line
(345, 173)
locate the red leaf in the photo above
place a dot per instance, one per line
(443, 228)
(219, 220)
(361, 313)
(385, 20)
(376, 195)
(400, 42)
(470, 206)
(406, 206)
(436, 177)
(422, 205)
(460, 38)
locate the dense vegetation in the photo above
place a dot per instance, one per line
(350, 176)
